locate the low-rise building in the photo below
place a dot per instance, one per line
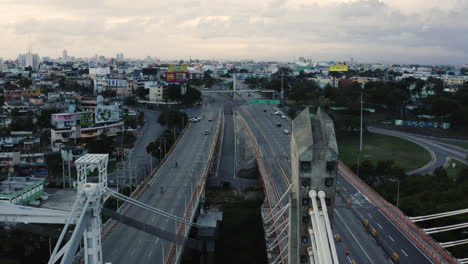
(21, 190)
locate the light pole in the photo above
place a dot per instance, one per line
(360, 131)
(398, 195)
(362, 102)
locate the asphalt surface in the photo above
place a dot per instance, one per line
(439, 151)
(127, 245)
(363, 247)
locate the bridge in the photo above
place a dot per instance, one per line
(164, 206)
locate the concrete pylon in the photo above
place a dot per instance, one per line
(314, 163)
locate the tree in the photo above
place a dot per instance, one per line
(44, 119)
(172, 93)
(173, 119)
(131, 100)
(22, 124)
(104, 144)
(191, 96)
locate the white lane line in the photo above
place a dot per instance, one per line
(380, 226)
(133, 251)
(151, 253)
(369, 215)
(154, 218)
(349, 259)
(352, 234)
(422, 253)
(391, 238)
(404, 252)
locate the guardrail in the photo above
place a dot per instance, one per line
(195, 199)
(403, 223)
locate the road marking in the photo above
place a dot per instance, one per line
(133, 251)
(391, 238)
(349, 259)
(352, 234)
(151, 253)
(369, 215)
(405, 236)
(404, 252)
(380, 226)
(154, 218)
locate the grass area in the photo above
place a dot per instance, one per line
(8, 261)
(454, 172)
(455, 143)
(241, 236)
(407, 155)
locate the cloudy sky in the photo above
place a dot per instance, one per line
(397, 31)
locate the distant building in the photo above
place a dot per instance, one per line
(29, 60)
(156, 90)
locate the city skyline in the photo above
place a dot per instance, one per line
(425, 32)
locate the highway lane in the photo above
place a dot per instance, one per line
(126, 245)
(408, 252)
(440, 152)
(363, 248)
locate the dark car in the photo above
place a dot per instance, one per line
(278, 124)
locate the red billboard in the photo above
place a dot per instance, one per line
(172, 77)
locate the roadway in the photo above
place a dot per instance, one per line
(363, 247)
(440, 152)
(127, 245)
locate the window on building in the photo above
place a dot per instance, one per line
(329, 182)
(305, 182)
(331, 166)
(306, 166)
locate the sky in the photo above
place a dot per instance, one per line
(388, 31)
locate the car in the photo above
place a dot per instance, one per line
(199, 118)
(210, 119)
(264, 110)
(206, 132)
(278, 113)
(286, 131)
(278, 124)
(283, 116)
(193, 119)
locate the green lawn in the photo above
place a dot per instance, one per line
(406, 154)
(453, 172)
(455, 143)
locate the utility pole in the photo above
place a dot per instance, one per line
(362, 102)
(398, 195)
(282, 90)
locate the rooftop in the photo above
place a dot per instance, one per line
(16, 184)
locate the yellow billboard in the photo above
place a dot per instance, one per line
(177, 68)
(338, 67)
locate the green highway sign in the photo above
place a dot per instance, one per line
(271, 102)
(311, 115)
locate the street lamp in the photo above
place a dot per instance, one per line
(360, 132)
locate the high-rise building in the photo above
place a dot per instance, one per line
(65, 55)
(28, 60)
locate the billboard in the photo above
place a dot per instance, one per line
(422, 124)
(107, 113)
(177, 68)
(172, 77)
(338, 67)
(116, 83)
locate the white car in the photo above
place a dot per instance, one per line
(283, 116)
(286, 131)
(278, 113)
(199, 118)
(193, 119)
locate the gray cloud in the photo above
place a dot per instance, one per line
(366, 29)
